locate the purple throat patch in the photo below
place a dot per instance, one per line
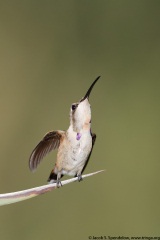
(78, 137)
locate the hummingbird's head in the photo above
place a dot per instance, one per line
(80, 113)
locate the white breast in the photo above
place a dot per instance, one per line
(78, 151)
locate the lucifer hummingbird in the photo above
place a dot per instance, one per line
(74, 145)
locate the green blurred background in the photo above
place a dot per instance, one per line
(50, 52)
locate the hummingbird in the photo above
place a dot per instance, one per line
(74, 145)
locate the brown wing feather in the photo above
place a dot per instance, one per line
(50, 142)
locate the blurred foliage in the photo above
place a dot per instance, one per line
(50, 52)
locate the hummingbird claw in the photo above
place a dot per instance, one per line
(59, 184)
(80, 178)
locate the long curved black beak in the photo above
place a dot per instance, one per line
(90, 89)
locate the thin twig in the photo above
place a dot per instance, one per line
(13, 197)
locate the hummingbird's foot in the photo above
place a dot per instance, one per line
(59, 184)
(80, 178)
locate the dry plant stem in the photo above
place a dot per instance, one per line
(13, 197)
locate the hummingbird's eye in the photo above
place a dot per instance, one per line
(74, 106)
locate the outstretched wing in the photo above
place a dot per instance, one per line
(50, 142)
(93, 142)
